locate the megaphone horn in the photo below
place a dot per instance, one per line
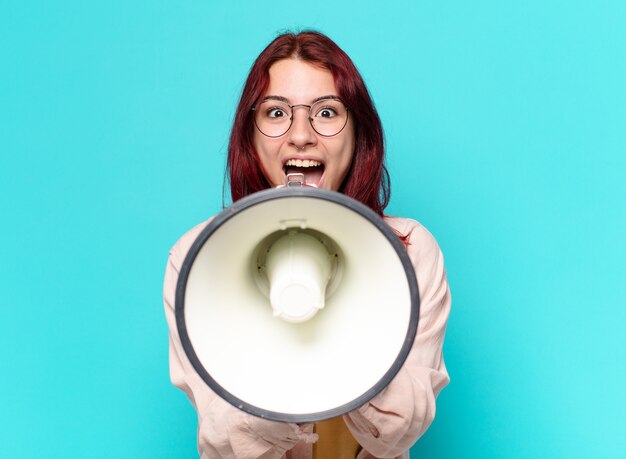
(297, 304)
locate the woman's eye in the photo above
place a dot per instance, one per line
(276, 113)
(326, 113)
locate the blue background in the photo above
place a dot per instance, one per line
(506, 131)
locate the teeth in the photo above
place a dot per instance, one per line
(303, 163)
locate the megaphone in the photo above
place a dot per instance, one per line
(297, 304)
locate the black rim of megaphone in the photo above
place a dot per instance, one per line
(297, 192)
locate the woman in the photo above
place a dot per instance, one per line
(338, 146)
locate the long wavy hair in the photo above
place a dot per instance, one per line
(367, 179)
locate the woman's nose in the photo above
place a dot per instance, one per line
(301, 133)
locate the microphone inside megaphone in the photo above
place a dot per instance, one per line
(296, 269)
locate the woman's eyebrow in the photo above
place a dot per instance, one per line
(330, 96)
(285, 100)
(278, 98)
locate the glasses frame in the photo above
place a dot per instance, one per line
(292, 107)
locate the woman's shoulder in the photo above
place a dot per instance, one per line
(410, 228)
(416, 235)
(184, 243)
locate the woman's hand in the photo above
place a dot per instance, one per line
(229, 433)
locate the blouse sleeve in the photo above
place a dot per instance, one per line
(223, 430)
(389, 424)
(182, 373)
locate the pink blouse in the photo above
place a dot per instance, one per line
(386, 427)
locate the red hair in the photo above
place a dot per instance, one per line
(367, 179)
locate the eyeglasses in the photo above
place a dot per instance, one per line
(274, 118)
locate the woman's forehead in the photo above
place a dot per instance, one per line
(298, 81)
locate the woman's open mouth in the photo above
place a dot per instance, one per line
(311, 169)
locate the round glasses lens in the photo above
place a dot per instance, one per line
(272, 118)
(329, 116)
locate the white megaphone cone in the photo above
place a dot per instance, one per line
(297, 304)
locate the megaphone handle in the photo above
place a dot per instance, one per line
(335, 440)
